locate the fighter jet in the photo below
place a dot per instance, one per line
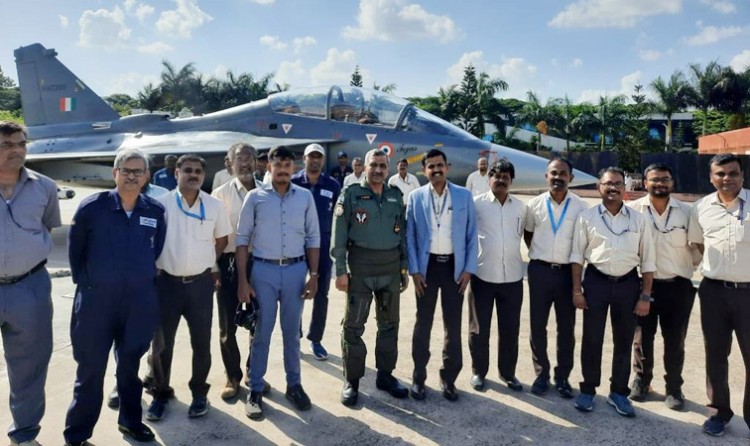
(75, 134)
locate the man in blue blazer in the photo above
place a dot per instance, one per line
(441, 230)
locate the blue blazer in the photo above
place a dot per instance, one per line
(464, 234)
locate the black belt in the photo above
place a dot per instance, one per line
(185, 279)
(633, 273)
(280, 262)
(15, 279)
(552, 265)
(728, 284)
(441, 258)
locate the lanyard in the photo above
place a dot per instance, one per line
(200, 217)
(601, 213)
(556, 224)
(438, 215)
(666, 229)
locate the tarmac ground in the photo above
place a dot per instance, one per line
(496, 416)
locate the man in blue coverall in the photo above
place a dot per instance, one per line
(325, 191)
(114, 240)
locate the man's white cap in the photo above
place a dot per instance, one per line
(315, 148)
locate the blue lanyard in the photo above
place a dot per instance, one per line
(556, 224)
(610, 227)
(190, 214)
(666, 229)
(442, 206)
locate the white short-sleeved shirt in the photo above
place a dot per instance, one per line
(232, 195)
(407, 186)
(353, 179)
(478, 183)
(500, 231)
(546, 245)
(189, 244)
(724, 232)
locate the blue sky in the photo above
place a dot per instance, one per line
(582, 48)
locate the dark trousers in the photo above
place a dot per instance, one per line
(673, 302)
(126, 316)
(618, 299)
(320, 302)
(439, 277)
(723, 311)
(548, 286)
(226, 302)
(508, 299)
(194, 301)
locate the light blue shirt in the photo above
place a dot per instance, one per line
(275, 227)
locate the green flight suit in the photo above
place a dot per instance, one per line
(369, 243)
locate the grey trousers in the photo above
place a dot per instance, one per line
(26, 326)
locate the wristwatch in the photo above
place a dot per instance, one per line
(646, 298)
(313, 274)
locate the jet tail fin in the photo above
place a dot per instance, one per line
(52, 94)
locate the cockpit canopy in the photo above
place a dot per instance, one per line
(362, 106)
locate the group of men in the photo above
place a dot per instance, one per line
(141, 264)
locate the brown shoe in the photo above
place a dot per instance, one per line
(230, 389)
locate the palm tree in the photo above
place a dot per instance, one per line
(733, 90)
(673, 97)
(704, 95)
(150, 98)
(534, 113)
(609, 118)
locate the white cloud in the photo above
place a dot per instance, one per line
(180, 22)
(577, 63)
(652, 55)
(103, 29)
(130, 83)
(301, 42)
(273, 42)
(128, 4)
(337, 68)
(154, 48)
(741, 61)
(627, 85)
(722, 6)
(519, 74)
(396, 20)
(263, 2)
(143, 11)
(64, 22)
(712, 34)
(291, 73)
(611, 13)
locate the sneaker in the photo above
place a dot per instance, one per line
(254, 406)
(714, 426)
(318, 351)
(157, 409)
(540, 385)
(584, 402)
(675, 401)
(298, 397)
(113, 399)
(564, 389)
(198, 407)
(230, 389)
(639, 390)
(390, 384)
(621, 403)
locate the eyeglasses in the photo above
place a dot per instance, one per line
(617, 184)
(665, 180)
(190, 170)
(135, 172)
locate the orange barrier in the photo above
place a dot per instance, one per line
(734, 141)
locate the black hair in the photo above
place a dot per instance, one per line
(502, 165)
(725, 158)
(611, 169)
(564, 160)
(433, 153)
(280, 153)
(657, 166)
(191, 157)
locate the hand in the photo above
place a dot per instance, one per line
(342, 283)
(419, 284)
(311, 287)
(463, 281)
(245, 291)
(579, 301)
(217, 279)
(642, 308)
(404, 282)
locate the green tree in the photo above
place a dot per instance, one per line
(151, 98)
(734, 96)
(10, 95)
(122, 103)
(535, 114)
(609, 118)
(673, 97)
(356, 78)
(704, 94)
(473, 104)
(635, 137)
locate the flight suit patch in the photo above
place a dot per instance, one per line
(361, 216)
(339, 211)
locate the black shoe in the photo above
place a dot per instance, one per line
(198, 407)
(418, 392)
(540, 385)
(141, 434)
(449, 391)
(298, 397)
(639, 390)
(675, 401)
(477, 382)
(390, 384)
(157, 409)
(513, 383)
(78, 443)
(564, 389)
(254, 406)
(113, 400)
(350, 393)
